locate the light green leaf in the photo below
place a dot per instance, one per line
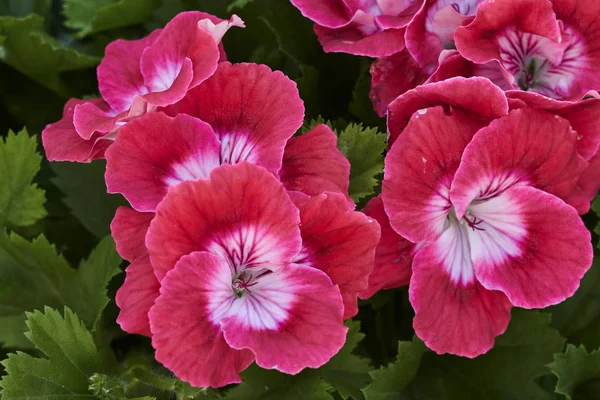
(92, 16)
(574, 368)
(21, 203)
(273, 385)
(85, 194)
(346, 372)
(32, 276)
(71, 354)
(390, 381)
(33, 52)
(364, 148)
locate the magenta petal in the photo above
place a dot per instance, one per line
(339, 241)
(332, 13)
(128, 229)
(136, 296)
(476, 41)
(587, 186)
(181, 39)
(155, 152)
(453, 312)
(350, 39)
(90, 118)
(419, 170)
(253, 111)
(312, 163)
(391, 76)
(241, 212)
(119, 74)
(535, 260)
(393, 256)
(291, 320)
(185, 323)
(512, 151)
(459, 93)
(62, 142)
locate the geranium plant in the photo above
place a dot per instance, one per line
(342, 199)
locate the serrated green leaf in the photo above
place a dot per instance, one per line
(390, 381)
(364, 148)
(21, 202)
(346, 372)
(33, 275)
(33, 52)
(273, 385)
(575, 367)
(105, 387)
(508, 371)
(85, 194)
(92, 16)
(71, 354)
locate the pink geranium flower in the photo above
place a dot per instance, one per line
(372, 28)
(136, 77)
(244, 112)
(552, 48)
(240, 271)
(481, 198)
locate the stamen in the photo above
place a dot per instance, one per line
(243, 283)
(473, 223)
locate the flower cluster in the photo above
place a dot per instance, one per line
(243, 243)
(492, 153)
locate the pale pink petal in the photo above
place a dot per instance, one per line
(312, 163)
(393, 255)
(291, 320)
(339, 241)
(419, 170)
(185, 327)
(240, 212)
(453, 312)
(155, 152)
(219, 29)
(535, 259)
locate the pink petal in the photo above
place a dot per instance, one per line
(291, 320)
(584, 117)
(340, 242)
(391, 76)
(155, 152)
(136, 296)
(119, 74)
(457, 93)
(527, 147)
(312, 163)
(476, 41)
(587, 186)
(62, 142)
(253, 111)
(333, 14)
(453, 312)
(89, 119)
(241, 212)
(419, 170)
(128, 229)
(181, 42)
(536, 260)
(350, 39)
(393, 256)
(187, 339)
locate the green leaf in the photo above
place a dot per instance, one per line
(32, 276)
(22, 8)
(574, 368)
(71, 354)
(508, 371)
(85, 194)
(237, 4)
(92, 16)
(33, 52)
(105, 387)
(346, 372)
(21, 203)
(364, 148)
(390, 381)
(273, 385)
